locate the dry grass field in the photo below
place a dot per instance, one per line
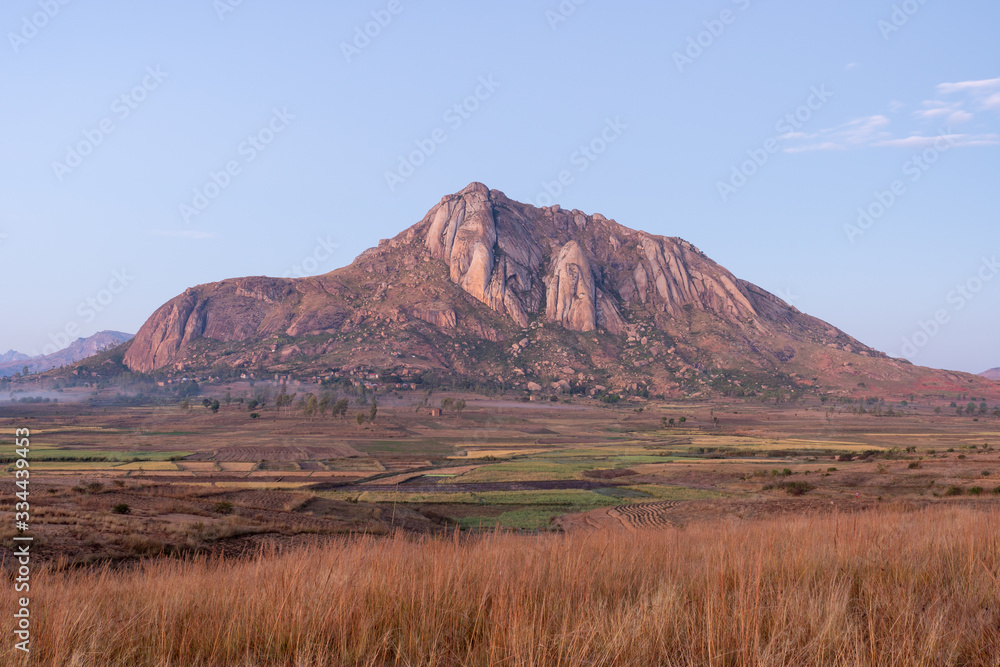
(887, 586)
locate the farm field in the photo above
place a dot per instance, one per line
(569, 467)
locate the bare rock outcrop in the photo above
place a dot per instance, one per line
(581, 272)
(571, 298)
(487, 248)
(438, 313)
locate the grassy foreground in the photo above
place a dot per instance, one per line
(888, 587)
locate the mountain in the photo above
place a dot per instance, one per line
(992, 374)
(492, 290)
(13, 355)
(79, 349)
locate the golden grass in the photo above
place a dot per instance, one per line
(496, 452)
(238, 466)
(880, 588)
(200, 466)
(148, 465)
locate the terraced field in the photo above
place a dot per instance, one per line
(645, 515)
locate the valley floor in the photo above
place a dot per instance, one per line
(713, 532)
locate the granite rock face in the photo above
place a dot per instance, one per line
(483, 265)
(504, 253)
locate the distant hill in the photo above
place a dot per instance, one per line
(13, 355)
(485, 289)
(79, 349)
(992, 374)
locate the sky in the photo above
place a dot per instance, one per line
(843, 156)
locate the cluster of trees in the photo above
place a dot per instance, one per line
(35, 399)
(971, 409)
(313, 406)
(310, 405)
(452, 404)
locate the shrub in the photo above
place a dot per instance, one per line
(223, 507)
(913, 464)
(798, 488)
(831, 469)
(953, 491)
(791, 488)
(121, 508)
(94, 487)
(254, 415)
(976, 491)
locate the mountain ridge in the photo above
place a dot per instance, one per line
(13, 355)
(470, 288)
(78, 350)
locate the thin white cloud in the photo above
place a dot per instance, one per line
(982, 94)
(953, 140)
(183, 233)
(948, 112)
(983, 85)
(875, 130)
(992, 102)
(859, 132)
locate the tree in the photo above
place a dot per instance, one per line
(310, 406)
(214, 406)
(340, 408)
(971, 408)
(25, 371)
(324, 403)
(446, 404)
(185, 404)
(283, 399)
(373, 411)
(459, 405)
(361, 418)
(682, 420)
(228, 399)
(189, 388)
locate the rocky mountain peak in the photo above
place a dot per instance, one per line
(485, 269)
(510, 255)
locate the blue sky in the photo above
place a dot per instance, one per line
(842, 155)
